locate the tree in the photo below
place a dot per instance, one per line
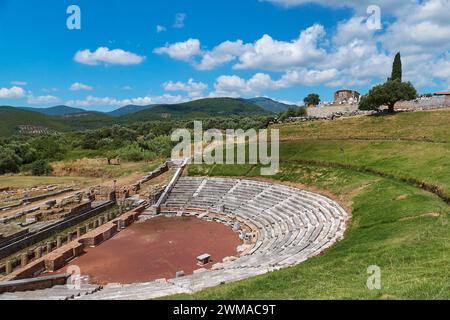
(9, 161)
(388, 94)
(397, 72)
(41, 168)
(312, 99)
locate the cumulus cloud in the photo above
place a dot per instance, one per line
(221, 54)
(426, 29)
(183, 51)
(77, 86)
(235, 86)
(270, 54)
(351, 29)
(90, 101)
(12, 93)
(351, 54)
(107, 56)
(194, 89)
(42, 99)
(266, 53)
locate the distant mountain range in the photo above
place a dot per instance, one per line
(123, 111)
(271, 105)
(64, 118)
(265, 103)
(56, 111)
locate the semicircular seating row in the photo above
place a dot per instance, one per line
(293, 226)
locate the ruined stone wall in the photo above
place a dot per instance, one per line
(424, 103)
(328, 111)
(34, 237)
(80, 209)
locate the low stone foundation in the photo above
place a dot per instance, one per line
(63, 254)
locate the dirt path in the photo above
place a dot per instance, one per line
(156, 249)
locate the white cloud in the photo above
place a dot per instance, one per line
(270, 54)
(265, 54)
(42, 99)
(12, 93)
(425, 29)
(234, 86)
(223, 53)
(160, 28)
(183, 51)
(179, 20)
(351, 29)
(307, 77)
(77, 86)
(190, 86)
(19, 83)
(113, 102)
(107, 56)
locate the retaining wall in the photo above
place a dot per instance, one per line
(33, 284)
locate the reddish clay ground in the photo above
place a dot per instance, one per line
(156, 249)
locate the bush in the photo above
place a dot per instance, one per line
(293, 112)
(41, 168)
(131, 152)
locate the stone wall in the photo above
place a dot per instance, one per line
(435, 102)
(328, 111)
(33, 284)
(80, 209)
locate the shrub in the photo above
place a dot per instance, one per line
(41, 168)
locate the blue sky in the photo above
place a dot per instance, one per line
(144, 52)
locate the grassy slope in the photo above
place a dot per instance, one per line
(90, 120)
(397, 226)
(11, 118)
(20, 181)
(422, 126)
(198, 109)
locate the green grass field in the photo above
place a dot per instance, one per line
(20, 181)
(376, 166)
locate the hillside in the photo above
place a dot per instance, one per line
(199, 109)
(56, 111)
(11, 119)
(392, 173)
(62, 118)
(87, 120)
(123, 111)
(265, 103)
(270, 105)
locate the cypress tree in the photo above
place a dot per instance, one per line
(397, 68)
